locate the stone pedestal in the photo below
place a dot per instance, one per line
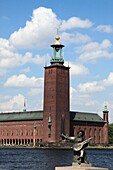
(80, 167)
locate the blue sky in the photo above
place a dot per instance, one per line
(28, 28)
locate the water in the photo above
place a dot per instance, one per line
(45, 159)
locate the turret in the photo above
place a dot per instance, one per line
(105, 114)
(24, 108)
(105, 128)
(57, 57)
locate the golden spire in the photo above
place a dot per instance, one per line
(57, 36)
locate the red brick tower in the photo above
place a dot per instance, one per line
(105, 128)
(56, 118)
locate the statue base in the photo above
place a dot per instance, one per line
(80, 167)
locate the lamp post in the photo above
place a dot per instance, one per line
(34, 139)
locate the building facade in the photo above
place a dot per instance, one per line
(35, 127)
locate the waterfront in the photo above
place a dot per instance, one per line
(42, 159)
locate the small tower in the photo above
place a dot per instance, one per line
(105, 128)
(56, 96)
(105, 113)
(24, 108)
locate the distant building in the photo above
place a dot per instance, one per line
(29, 128)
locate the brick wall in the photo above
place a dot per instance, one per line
(20, 132)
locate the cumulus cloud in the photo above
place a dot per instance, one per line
(68, 38)
(82, 101)
(38, 32)
(93, 50)
(104, 28)
(77, 69)
(23, 81)
(96, 86)
(90, 87)
(10, 58)
(75, 22)
(109, 80)
(14, 103)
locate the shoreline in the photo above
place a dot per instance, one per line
(58, 147)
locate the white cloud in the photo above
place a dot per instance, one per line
(94, 46)
(35, 91)
(14, 103)
(40, 60)
(68, 38)
(96, 86)
(93, 50)
(25, 70)
(38, 32)
(90, 87)
(23, 81)
(2, 72)
(75, 22)
(77, 69)
(105, 28)
(10, 58)
(109, 80)
(81, 101)
(8, 55)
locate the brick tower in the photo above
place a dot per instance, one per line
(56, 118)
(105, 128)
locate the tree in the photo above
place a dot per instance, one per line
(110, 133)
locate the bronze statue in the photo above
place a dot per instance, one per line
(79, 145)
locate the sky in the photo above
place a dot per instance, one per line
(27, 30)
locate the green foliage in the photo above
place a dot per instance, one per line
(110, 133)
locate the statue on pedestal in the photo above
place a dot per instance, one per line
(79, 145)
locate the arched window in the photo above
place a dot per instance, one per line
(7, 132)
(85, 131)
(21, 132)
(31, 132)
(2, 132)
(95, 135)
(26, 132)
(89, 132)
(16, 132)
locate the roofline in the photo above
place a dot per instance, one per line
(15, 112)
(83, 112)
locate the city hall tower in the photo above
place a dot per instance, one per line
(56, 117)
